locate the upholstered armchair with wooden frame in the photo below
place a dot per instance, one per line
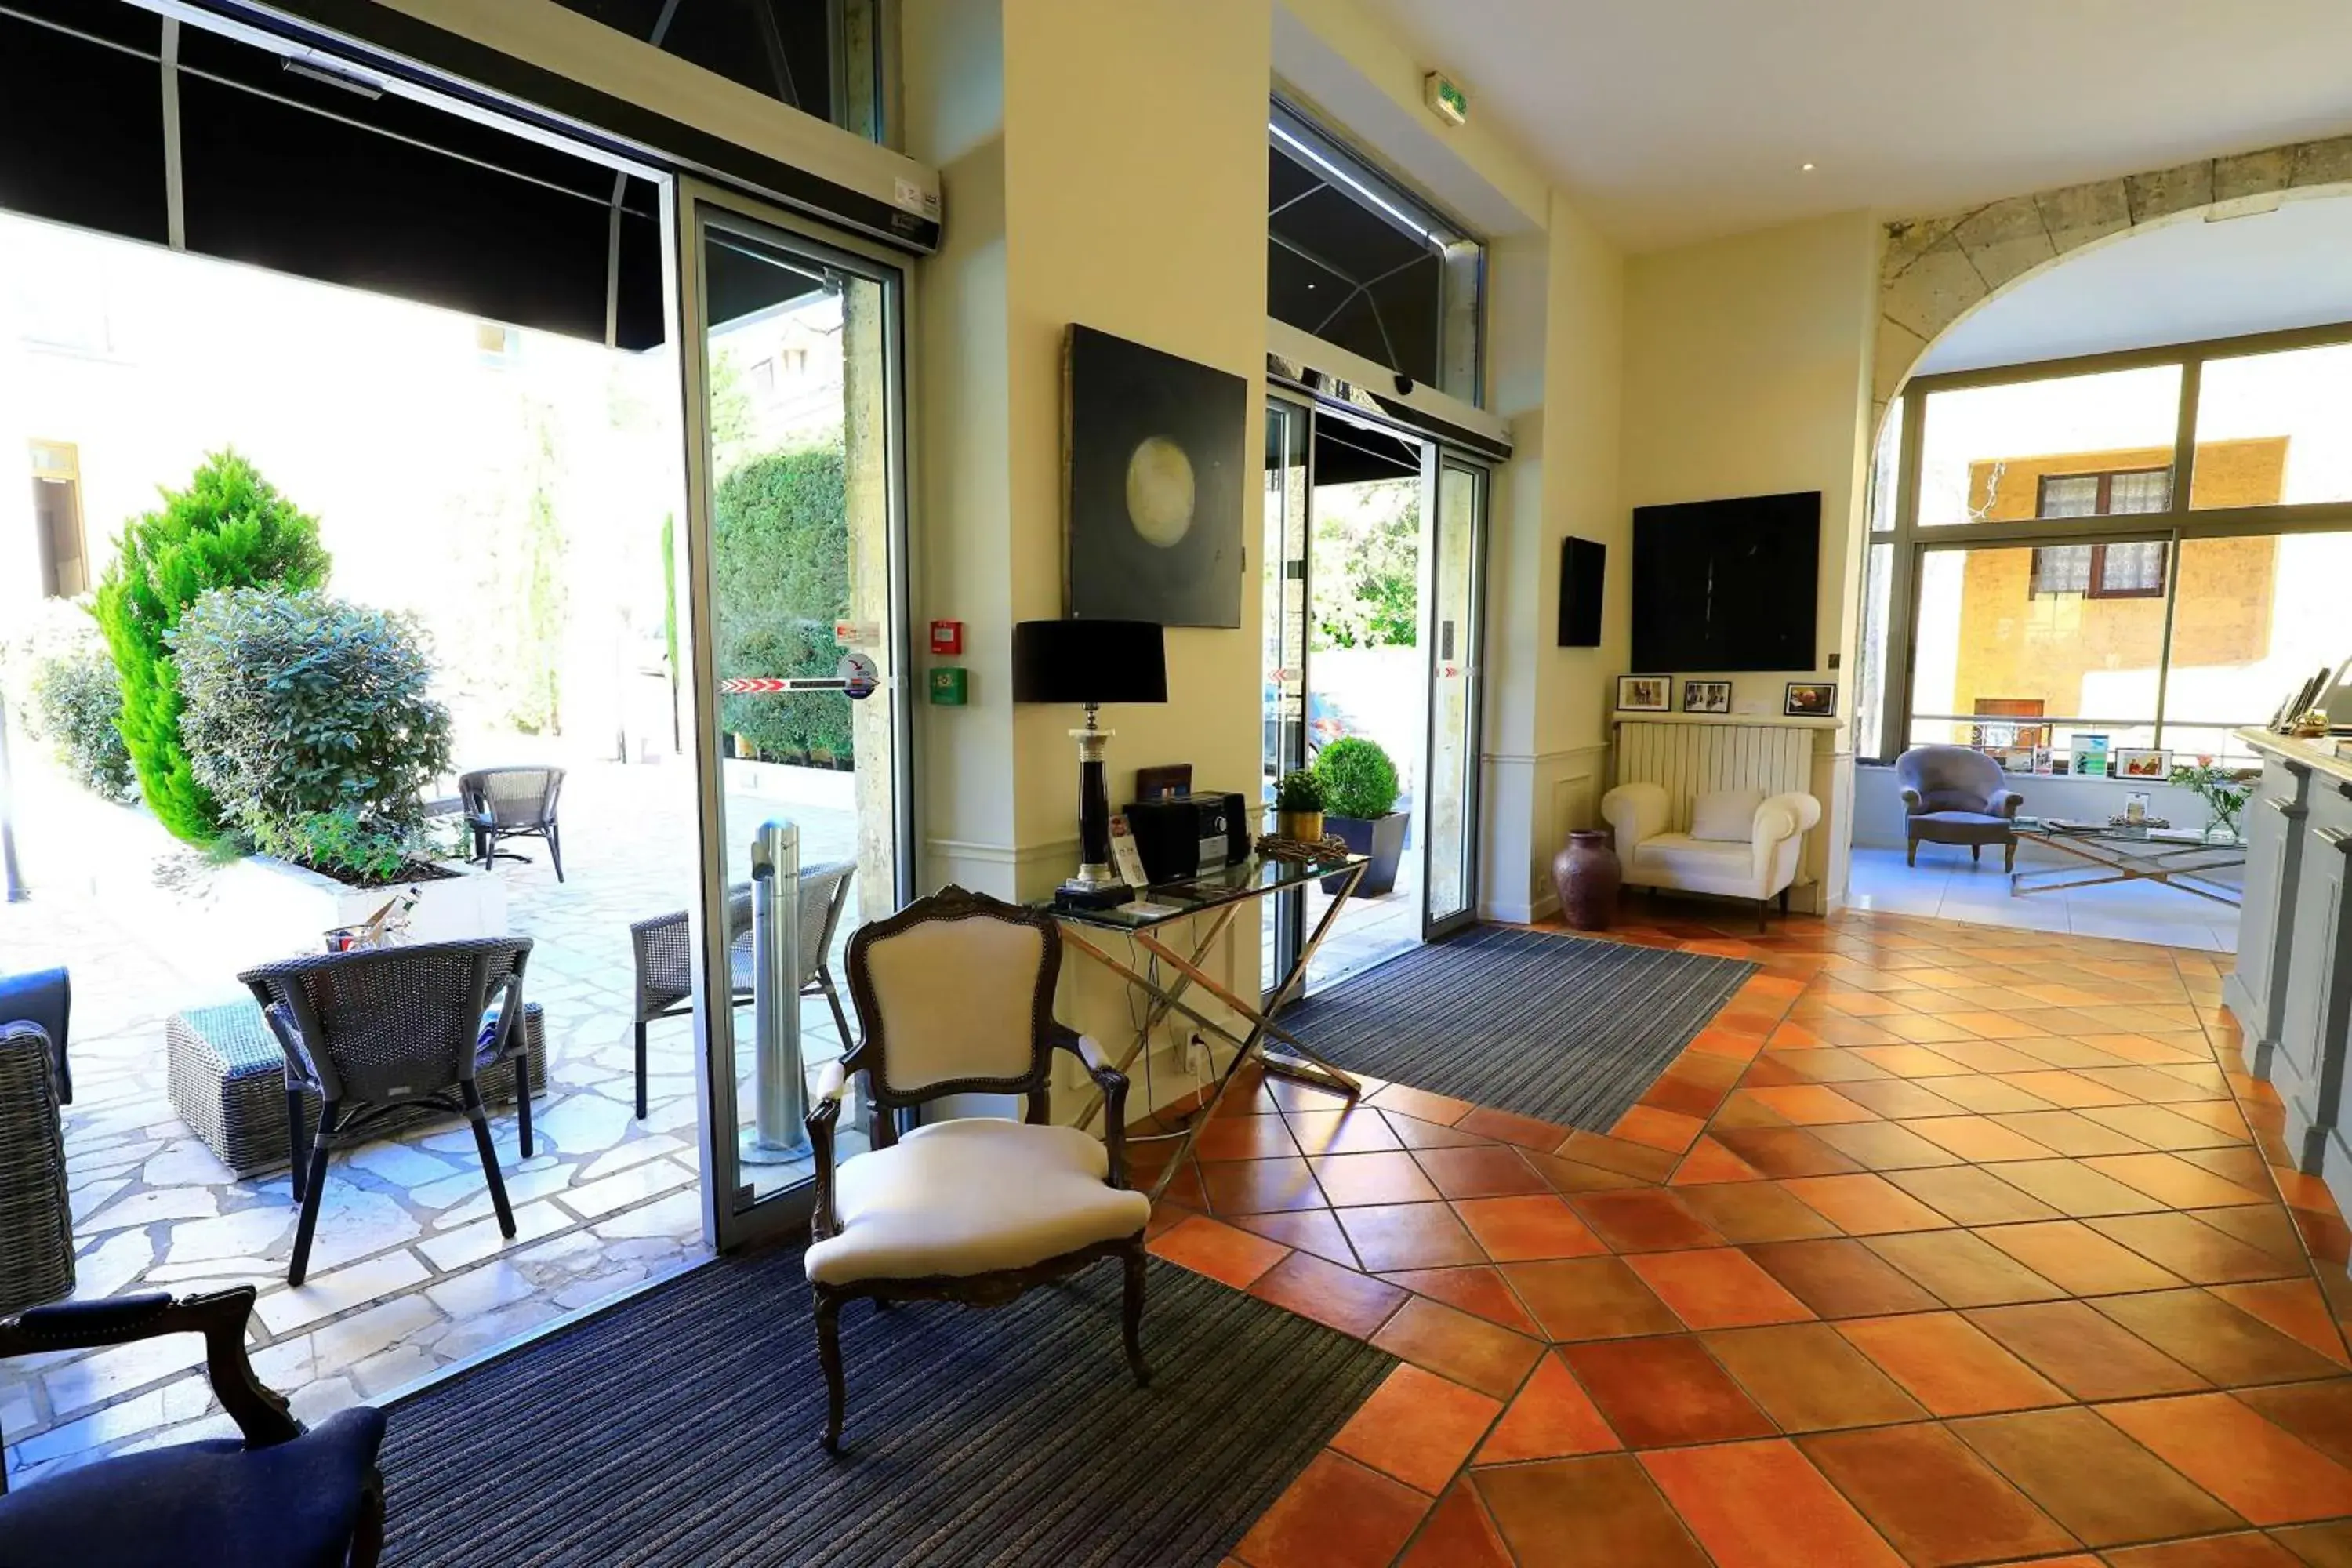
(955, 995)
(276, 1496)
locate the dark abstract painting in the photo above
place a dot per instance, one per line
(1153, 449)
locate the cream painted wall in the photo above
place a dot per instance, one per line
(1103, 164)
(1748, 372)
(1557, 350)
(961, 516)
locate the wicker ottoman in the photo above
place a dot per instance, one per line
(227, 1081)
(37, 1252)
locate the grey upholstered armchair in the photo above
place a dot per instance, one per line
(1952, 794)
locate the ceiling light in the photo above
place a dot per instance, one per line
(1804, 168)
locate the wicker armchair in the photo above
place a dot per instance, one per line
(274, 1497)
(37, 1251)
(512, 802)
(663, 949)
(375, 1033)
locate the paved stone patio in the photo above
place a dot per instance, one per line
(409, 1274)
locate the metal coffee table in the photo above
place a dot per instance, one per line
(2175, 856)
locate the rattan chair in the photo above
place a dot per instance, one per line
(663, 949)
(375, 1033)
(956, 995)
(37, 1249)
(512, 802)
(276, 1496)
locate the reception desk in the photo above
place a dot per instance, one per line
(2291, 992)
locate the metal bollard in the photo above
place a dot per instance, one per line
(779, 1084)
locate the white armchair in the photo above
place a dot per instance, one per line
(1715, 855)
(955, 995)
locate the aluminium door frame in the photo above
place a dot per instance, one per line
(689, 204)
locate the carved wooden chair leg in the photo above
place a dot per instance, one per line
(1131, 1315)
(828, 1353)
(367, 1533)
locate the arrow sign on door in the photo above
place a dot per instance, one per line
(768, 685)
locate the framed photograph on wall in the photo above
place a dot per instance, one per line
(2142, 763)
(1167, 780)
(1707, 696)
(1645, 694)
(1810, 700)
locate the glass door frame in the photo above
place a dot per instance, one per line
(1437, 456)
(1289, 909)
(689, 207)
(1440, 461)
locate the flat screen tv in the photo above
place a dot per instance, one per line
(1727, 585)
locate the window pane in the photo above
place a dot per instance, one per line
(1355, 262)
(2275, 429)
(1886, 470)
(2132, 568)
(1988, 450)
(2005, 665)
(1870, 677)
(817, 56)
(2062, 569)
(2255, 619)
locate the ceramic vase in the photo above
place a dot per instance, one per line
(1588, 876)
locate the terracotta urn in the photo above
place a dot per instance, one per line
(1588, 875)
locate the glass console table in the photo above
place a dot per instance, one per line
(1220, 896)
(2119, 853)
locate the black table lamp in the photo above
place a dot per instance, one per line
(1090, 663)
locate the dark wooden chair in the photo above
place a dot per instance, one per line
(379, 1032)
(279, 1497)
(663, 949)
(955, 994)
(512, 802)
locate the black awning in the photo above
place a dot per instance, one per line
(325, 178)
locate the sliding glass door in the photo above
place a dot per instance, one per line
(1372, 560)
(1457, 559)
(796, 587)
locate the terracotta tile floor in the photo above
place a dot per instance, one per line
(1939, 1246)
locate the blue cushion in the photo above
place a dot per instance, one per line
(291, 1506)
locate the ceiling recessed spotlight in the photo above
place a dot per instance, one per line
(1804, 168)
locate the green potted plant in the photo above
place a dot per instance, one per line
(1359, 794)
(1298, 806)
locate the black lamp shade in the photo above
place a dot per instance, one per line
(1088, 661)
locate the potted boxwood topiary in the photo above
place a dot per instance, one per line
(1298, 806)
(1360, 795)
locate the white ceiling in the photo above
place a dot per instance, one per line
(2173, 284)
(1680, 120)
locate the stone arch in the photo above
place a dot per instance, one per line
(1934, 271)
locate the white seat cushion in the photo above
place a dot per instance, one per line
(971, 1196)
(1724, 816)
(1701, 865)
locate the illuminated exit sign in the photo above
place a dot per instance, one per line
(1446, 98)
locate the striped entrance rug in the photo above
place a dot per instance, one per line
(681, 1427)
(1566, 1029)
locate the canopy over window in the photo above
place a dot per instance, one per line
(233, 151)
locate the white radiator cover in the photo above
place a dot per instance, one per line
(1689, 759)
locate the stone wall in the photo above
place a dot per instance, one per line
(1935, 270)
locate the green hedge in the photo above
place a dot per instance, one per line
(229, 529)
(781, 558)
